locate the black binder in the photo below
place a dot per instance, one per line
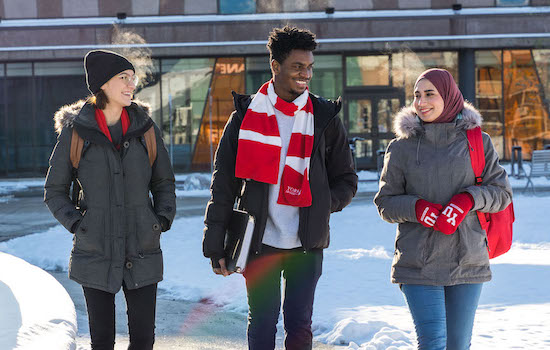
(238, 239)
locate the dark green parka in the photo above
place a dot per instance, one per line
(118, 237)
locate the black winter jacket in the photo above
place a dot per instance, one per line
(118, 237)
(332, 179)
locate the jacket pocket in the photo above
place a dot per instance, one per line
(147, 230)
(472, 242)
(410, 246)
(90, 234)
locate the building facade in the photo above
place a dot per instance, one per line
(191, 54)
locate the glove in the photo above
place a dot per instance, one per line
(426, 212)
(453, 214)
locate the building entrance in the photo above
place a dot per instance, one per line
(368, 116)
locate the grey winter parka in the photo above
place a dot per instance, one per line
(118, 238)
(432, 162)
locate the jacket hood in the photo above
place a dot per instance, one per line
(67, 114)
(407, 124)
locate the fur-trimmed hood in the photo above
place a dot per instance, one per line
(407, 124)
(67, 114)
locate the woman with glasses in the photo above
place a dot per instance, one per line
(127, 198)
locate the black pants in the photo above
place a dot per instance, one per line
(300, 272)
(141, 305)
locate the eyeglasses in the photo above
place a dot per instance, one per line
(134, 80)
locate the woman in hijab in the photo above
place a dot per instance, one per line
(427, 187)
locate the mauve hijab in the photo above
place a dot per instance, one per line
(453, 101)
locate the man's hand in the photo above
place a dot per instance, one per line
(222, 270)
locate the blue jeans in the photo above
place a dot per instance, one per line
(300, 272)
(443, 316)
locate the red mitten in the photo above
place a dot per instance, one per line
(453, 214)
(426, 212)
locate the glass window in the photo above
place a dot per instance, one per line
(489, 95)
(525, 108)
(148, 90)
(185, 84)
(56, 84)
(20, 130)
(512, 2)
(363, 149)
(407, 66)
(257, 73)
(387, 108)
(367, 70)
(360, 116)
(327, 76)
(59, 68)
(237, 6)
(326, 81)
(19, 69)
(228, 76)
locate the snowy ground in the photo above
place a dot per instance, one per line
(356, 305)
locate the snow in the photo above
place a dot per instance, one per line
(356, 306)
(37, 312)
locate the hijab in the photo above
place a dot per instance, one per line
(453, 101)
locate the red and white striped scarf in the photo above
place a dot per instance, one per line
(259, 146)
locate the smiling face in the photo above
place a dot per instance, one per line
(290, 78)
(428, 103)
(120, 88)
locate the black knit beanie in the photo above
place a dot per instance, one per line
(101, 66)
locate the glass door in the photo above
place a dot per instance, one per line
(369, 118)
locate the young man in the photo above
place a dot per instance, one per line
(286, 152)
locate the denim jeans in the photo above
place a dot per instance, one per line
(141, 305)
(300, 272)
(443, 316)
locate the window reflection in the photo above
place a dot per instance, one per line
(525, 113)
(367, 70)
(360, 116)
(407, 66)
(489, 95)
(185, 85)
(387, 108)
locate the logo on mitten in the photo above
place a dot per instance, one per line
(428, 219)
(449, 212)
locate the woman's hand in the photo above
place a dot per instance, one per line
(453, 214)
(427, 212)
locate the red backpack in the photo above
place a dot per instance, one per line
(498, 226)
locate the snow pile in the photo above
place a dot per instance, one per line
(8, 186)
(37, 312)
(194, 184)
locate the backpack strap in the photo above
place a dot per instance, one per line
(477, 154)
(477, 157)
(151, 144)
(77, 143)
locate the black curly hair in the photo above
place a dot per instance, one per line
(283, 40)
